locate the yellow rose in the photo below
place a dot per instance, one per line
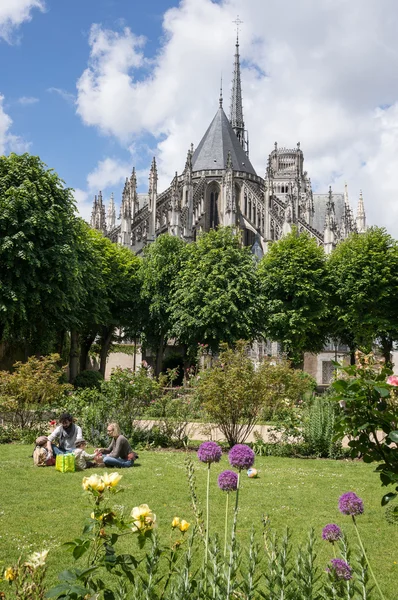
(111, 480)
(175, 522)
(144, 518)
(93, 483)
(184, 526)
(10, 574)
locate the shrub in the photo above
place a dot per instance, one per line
(232, 393)
(88, 379)
(320, 429)
(30, 389)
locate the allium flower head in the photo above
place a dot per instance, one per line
(241, 457)
(350, 504)
(331, 533)
(209, 452)
(340, 569)
(228, 481)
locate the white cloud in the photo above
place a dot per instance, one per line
(317, 73)
(26, 100)
(108, 173)
(9, 142)
(14, 12)
(67, 96)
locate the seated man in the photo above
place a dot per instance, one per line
(66, 433)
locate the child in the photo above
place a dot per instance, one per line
(82, 459)
(41, 457)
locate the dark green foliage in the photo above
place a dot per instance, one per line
(216, 292)
(295, 294)
(88, 379)
(319, 429)
(368, 413)
(363, 271)
(40, 280)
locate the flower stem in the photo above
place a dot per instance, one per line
(231, 555)
(207, 517)
(366, 558)
(226, 525)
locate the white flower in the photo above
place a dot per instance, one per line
(37, 559)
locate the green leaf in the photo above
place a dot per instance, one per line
(57, 591)
(69, 576)
(382, 391)
(387, 498)
(393, 436)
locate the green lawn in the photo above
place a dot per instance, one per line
(41, 508)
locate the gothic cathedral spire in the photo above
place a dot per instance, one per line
(236, 114)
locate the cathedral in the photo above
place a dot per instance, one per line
(219, 186)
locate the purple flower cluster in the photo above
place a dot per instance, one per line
(331, 533)
(340, 569)
(241, 457)
(350, 504)
(209, 452)
(228, 481)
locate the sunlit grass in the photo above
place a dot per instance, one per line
(41, 508)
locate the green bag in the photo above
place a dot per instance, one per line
(65, 463)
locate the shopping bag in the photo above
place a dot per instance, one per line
(65, 463)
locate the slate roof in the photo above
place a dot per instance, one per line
(320, 201)
(213, 149)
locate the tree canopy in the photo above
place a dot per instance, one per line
(40, 281)
(295, 294)
(363, 270)
(216, 292)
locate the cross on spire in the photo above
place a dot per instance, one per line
(237, 23)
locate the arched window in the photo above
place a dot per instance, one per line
(254, 212)
(214, 220)
(245, 204)
(250, 209)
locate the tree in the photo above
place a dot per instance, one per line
(295, 294)
(216, 292)
(363, 271)
(40, 282)
(160, 266)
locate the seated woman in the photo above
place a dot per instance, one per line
(66, 433)
(119, 453)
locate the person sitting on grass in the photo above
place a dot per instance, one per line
(83, 460)
(66, 433)
(119, 453)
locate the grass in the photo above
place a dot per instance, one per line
(41, 508)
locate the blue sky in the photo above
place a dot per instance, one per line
(95, 87)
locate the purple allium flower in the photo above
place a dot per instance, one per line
(350, 504)
(340, 569)
(228, 481)
(209, 452)
(241, 457)
(331, 533)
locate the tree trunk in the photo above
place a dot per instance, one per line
(386, 346)
(85, 347)
(159, 356)
(352, 357)
(106, 338)
(135, 354)
(73, 355)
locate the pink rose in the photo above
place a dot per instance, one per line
(393, 380)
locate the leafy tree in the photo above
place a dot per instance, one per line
(40, 282)
(294, 291)
(160, 266)
(363, 271)
(232, 393)
(216, 292)
(30, 386)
